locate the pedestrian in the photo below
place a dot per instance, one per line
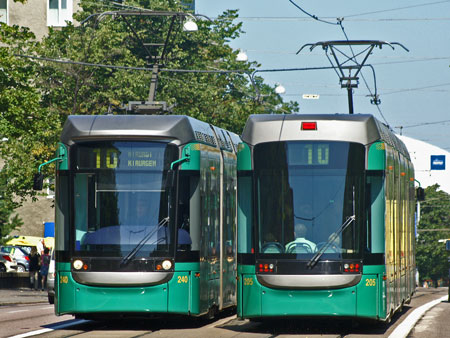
(45, 262)
(40, 246)
(35, 259)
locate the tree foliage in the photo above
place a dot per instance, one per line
(27, 129)
(225, 99)
(431, 256)
(7, 222)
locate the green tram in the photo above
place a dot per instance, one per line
(329, 228)
(146, 213)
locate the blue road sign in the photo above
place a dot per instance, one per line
(437, 162)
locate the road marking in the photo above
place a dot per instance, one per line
(47, 307)
(221, 322)
(18, 311)
(56, 327)
(406, 326)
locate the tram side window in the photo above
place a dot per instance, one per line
(375, 212)
(245, 212)
(62, 215)
(81, 207)
(187, 220)
(229, 208)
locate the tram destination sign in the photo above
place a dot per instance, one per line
(437, 162)
(122, 156)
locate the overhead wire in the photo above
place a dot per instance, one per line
(289, 18)
(425, 124)
(398, 8)
(311, 15)
(419, 88)
(223, 71)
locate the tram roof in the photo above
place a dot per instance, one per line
(183, 129)
(358, 128)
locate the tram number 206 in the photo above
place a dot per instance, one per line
(371, 282)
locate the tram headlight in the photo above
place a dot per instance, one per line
(78, 264)
(166, 264)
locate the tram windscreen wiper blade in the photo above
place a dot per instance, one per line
(142, 242)
(330, 241)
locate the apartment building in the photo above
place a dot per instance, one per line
(38, 15)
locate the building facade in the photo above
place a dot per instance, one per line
(429, 161)
(38, 15)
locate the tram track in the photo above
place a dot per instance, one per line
(226, 325)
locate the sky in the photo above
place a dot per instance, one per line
(414, 86)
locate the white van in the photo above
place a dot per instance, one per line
(51, 279)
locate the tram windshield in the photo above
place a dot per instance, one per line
(121, 198)
(309, 196)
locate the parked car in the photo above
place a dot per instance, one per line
(20, 255)
(51, 279)
(7, 263)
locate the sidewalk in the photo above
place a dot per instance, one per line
(22, 296)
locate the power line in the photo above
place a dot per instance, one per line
(219, 71)
(311, 15)
(401, 59)
(88, 64)
(299, 19)
(416, 89)
(411, 61)
(425, 124)
(397, 9)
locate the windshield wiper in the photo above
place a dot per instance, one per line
(330, 241)
(142, 242)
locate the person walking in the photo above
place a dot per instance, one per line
(34, 268)
(45, 262)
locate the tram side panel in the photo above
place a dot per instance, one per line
(372, 291)
(248, 300)
(204, 281)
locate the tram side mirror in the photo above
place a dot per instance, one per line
(447, 245)
(38, 181)
(420, 194)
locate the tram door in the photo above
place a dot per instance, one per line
(228, 257)
(390, 226)
(397, 234)
(210, 209)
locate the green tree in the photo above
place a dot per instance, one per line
(27, 129)
(431, 256)
(225, 99)
(7, 223)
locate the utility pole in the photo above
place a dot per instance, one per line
(156, 52)
(340, 65)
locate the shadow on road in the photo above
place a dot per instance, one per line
(309, 326)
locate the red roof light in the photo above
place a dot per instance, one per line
(309, 125)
